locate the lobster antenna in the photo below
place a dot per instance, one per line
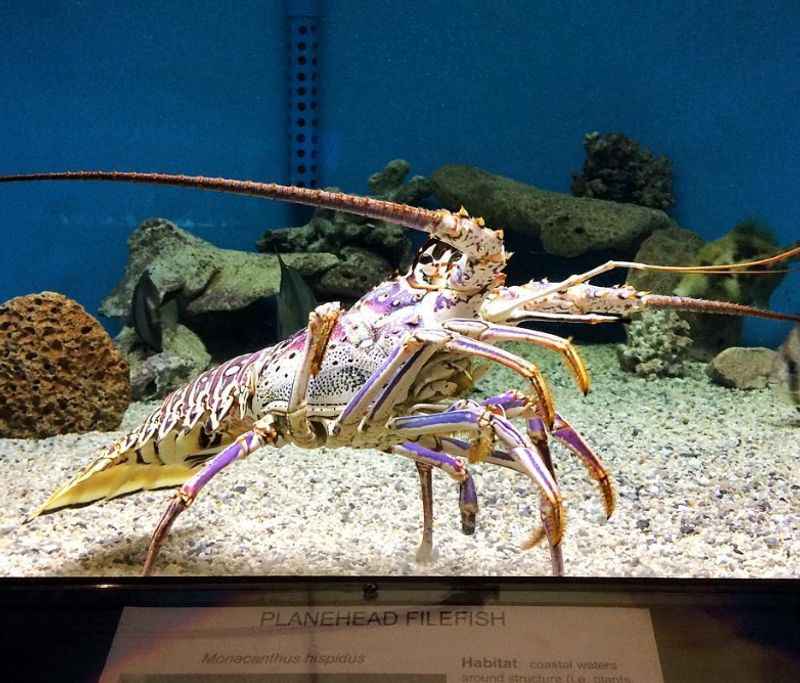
(379, 209)
(723, 269)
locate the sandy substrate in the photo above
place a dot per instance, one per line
(708, 483)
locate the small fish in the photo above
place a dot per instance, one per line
(786, 370)
(295, 301)
(145, 316)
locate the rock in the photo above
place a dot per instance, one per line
(391, 184)
(358, 272)
(742, 367)
(672, 246)
(658, 344)
(747, 241)
(184, 356)
(331, 231)
(566, 226)
(210, 279)
(785, 373)
(617, 168)
(158, 375)
(59, 370)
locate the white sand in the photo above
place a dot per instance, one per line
(708, 482)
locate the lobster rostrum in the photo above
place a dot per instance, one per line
(390, 373)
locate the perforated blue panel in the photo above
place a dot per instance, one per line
(303, 101)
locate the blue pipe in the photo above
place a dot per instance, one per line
(303, 26)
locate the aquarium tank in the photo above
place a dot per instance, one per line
(496, 322)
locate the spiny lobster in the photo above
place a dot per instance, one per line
(390, 373)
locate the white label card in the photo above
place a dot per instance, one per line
(384, 644)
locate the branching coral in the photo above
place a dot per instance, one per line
(620, 170)
(658, 345)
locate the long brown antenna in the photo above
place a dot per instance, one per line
(409, 216)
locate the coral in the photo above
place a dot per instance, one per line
(620, 170)
(59, 370)
(658, 344)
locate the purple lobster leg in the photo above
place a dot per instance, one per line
(374, 401)
(488, 426)
(499, 457)
(515, 403)
(492, 333)
(263, 433)
(567, 435)
(426, 459)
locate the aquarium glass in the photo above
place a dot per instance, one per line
(630, 422)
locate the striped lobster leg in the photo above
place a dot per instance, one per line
(426, 459)
(488, 426)
(263, 433)
(515, 403)
(321, 322)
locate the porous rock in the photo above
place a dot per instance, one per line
(742, 367)
(567, 226)
(59, 370)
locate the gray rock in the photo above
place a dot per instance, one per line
(672, 246)
(157, 375)
(154, 376)
(358, 272)
(331, 231)
(567, 226)
(742, 367)
(391, 184)
(210, 279)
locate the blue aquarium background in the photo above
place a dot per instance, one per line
(509, 86)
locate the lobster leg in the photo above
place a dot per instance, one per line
(263, 433)
(504, 459)
(487, 426)
(375, 401)
(426, 459)
(492, 334)
(425, 550)
(321, 322)
(515, 403)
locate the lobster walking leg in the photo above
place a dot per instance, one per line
(426, 459)
(263, 433)
(493, 333)
(488, 425)
(425, 550)
(374, 401)
(515, 403)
